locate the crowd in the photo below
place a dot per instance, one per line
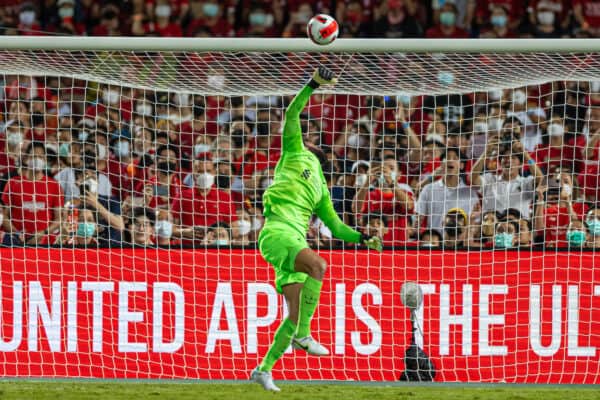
(288, 18)
(114, 166)
(88, 164)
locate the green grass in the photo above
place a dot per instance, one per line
(68, 390)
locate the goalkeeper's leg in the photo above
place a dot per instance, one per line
(314, 266)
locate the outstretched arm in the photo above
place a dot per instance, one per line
(327, 214)
(292, 132)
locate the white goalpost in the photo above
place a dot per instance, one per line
(131, 176)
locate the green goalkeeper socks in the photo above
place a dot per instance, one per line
(309, 299)
(281, 341)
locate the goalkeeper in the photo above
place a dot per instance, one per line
(299, 190)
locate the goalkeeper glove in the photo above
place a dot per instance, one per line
(372, 242)
(322, 76)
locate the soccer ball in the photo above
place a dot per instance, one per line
(411, 295)
(322, 29)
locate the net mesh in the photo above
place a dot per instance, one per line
(161, 160)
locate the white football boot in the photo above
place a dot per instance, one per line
(264, 379)
(310, 345)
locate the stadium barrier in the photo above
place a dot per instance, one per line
(514, 316)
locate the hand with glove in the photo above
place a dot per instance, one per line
(322, 76)
(372, 242)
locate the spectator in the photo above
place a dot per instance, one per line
(376, 224)
(210, 18)
(31, 200)
(546, 25)
(455, 228)
(553, 213)
(437, 198)
(84, 235)
(592, 221)
(141, 229)
(587, 15)
(240, 231)
(554, 151)
(109, 23)
(396, 23)
(217, 235)
(577, 236)
(507, 234)
(509, 189)
(28, 22)
(430, 239)
(165, 231)
(525, 233)
(499, 25)
(203, 205)
(160, 25)
(66, 23)
(447, 25)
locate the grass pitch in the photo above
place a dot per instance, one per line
(70, 390)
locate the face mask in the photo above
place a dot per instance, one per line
(210, 9)
(495, 95)
(595, 86)
(163, 11)
(257, 19)
(101, 151)
(446, 78)
(556, 130)
(303, 17)
(216, 81)
(394, 176)
(495, 124)
(66, 12)
(144, 109)
(480, 127)
(503, 240)
(201, 148)
(519, 97)
(567, 189)
(86, 229)
(122, 149)
(594, 227)
(164, 229)
(182, 99)
(222, 242)
(447, 18)
(27, 17)
(427, 245)
(353, 141)
(244, 227)
(361, 179)
(266, 183)
(83, 135)
(110, 97)
(546, 17)
(404, 99)
(14, 139)
(576, 238)
(499, 20)
(64, 150)
(256, 223)
(37, 164)
(205, 180)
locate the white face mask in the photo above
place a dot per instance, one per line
(201, 148)
(101, 151)
(556, 130)
(163, 11)
(519, 97)
(205, 180)
(244, 227)
(495, 124)
(567, 189)
(83, 135)
(216, 81)
(595, 87)
(495, 95)
(361, 179)
(122, 149)
(354, 140)
(182, 99)
(256, 223)
(480, 127)
(27, 17)
(546, 17)
(222, 242)
(144, 109)
(37, 164)
(92, 185)
(110, 97)
(266, 183)
(14, 139)
(164, 229)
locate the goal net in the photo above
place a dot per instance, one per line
(132, 174)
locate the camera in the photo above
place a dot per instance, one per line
(89, 186)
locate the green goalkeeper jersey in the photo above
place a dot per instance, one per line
(299, 189)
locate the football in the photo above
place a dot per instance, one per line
(322, 29)
(411, 295)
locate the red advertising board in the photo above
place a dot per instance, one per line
(487, 316)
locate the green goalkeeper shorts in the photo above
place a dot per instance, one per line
(279, 244)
